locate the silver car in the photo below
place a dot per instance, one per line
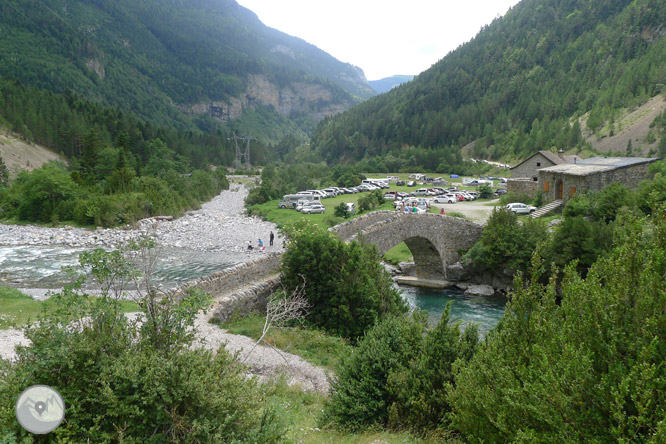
(314, 209)
(521, 208)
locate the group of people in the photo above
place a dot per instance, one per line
(260, 244)
(414, 208)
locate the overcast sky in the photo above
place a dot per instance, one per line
(383, 37)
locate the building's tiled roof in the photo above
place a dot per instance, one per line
(594, 165)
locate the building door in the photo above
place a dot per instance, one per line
(560, 188)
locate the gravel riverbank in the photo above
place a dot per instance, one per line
(219, 226)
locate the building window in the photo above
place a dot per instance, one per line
(546, 187)
(538, 164)
(534, 179)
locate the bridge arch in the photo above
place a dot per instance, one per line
(433, 239)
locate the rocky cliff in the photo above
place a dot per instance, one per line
(297, 98)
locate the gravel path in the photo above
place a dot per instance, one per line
(218, 226)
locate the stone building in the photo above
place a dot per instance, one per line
(528, 168)
(563, 181)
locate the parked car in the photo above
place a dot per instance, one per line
(400, 183)
(305, 204)
(446, 198)
(411, 183)
(314, 209)
(521, 208)
(420, 192)
(391, 195)
(500, 191)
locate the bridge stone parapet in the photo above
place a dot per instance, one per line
(348, 229)
(434, 240)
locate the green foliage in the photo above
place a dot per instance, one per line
(520, 85)
(399, 375)
(506, 243)
(341, 210)
(313, 345)
(347, 287)
(577, 239)
(512, 197)
(580, 366)
(4, 173)
(133, 380)
(485, 192)
(370, 201)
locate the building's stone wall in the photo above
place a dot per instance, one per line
(529, 168)
(522, 186)
(629, 176)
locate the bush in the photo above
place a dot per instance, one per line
(341, 210)
(125, 382)
(345, 284)
(511, 197)
(579, 366)
(399, 375)
(509, 244)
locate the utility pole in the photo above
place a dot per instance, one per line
(239, 156)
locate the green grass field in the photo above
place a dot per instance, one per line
(18, 309)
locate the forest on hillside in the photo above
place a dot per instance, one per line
(158, 59)
(530, 80)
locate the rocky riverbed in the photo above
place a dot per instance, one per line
(219, 226)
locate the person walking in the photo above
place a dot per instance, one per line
(271, 238)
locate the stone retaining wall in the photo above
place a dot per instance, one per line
(246, 300)
(223, 282)
(241, 288)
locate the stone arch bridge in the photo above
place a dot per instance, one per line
(433, 239)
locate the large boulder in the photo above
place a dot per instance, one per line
(407, 268)
(457, 272)
(480, 290)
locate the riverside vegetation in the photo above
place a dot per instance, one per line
(576, 357)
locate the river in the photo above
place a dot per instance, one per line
(42, 267)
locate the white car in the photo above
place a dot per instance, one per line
(314, 209)
(445, 199)
(521, 208)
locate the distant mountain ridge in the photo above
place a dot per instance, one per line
(388, 83)
(171, 61)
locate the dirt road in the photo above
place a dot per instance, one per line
(473, 210)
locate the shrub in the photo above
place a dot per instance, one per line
(581, 365)
(345, 284)
(511, 197)
(360, 394)
(399, 375)
(125, 382)
(341, 210)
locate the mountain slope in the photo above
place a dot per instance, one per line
(518, 86)
(388, 83)
(171, 60)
